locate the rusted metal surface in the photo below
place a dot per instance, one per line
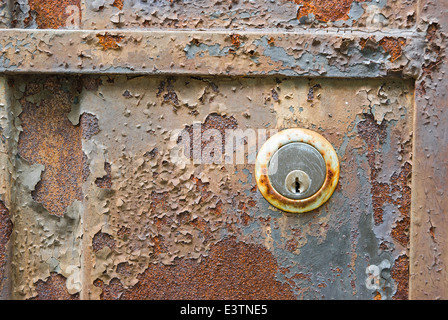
(321, 53)
(6, 226)
(45, 14)
(357, 13)
(232, 270)
(96, 207)
(262, 168)
(5, 235)
(54, 288)
(109, 41)
(144, 214)
(236, 15)
(325, 11)
(429, 246)
(50, 139)
(240, 15)
(163, 218)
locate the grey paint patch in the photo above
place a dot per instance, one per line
(213, 50)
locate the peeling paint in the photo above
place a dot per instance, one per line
(146, 212)
(109, 41)
(232, 270)
(53, 288)
(45, 14)
(297, 54)
(47, 136)
(178, 215)
(427, 261)
(325, 10)
(240, 15)
(94, 208)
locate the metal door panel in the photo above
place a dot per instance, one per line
(145, 221)
(93, 206)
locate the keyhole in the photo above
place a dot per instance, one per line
(297, 182)
(297, 185)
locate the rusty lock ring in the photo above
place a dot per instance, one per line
(281, 139)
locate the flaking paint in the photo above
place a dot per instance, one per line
(383, 160)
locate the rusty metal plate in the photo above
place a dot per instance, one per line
(325, 53)
(108, 193)
(267, 167)
(151, 209)
(200, 14)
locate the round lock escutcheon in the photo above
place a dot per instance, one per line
(297, 170)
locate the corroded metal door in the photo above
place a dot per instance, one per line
(130, 131)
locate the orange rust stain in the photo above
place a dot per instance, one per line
(109, 41)
(363, 43)
(118, 4)
(244, 210)
(50, 139)
(292, 245)
(5, 234)
(374, 135)
(54, 288)
(236, 41)
(368, 42)
(396, 192)
(245, 218)
(232, 270)
(325, 10)
(400, 274)
(377, 296)
(382, 192)
(432, 233)
(393, 46)
(112, 291)
(159, 246)
(53, 14)
(242, 206)
(218, 209)
(400, 185)
(272, 195)
(204, 226)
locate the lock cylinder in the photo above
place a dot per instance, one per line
(297, 170)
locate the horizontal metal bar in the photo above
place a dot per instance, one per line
(328, 53)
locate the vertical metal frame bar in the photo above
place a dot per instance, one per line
(429, 221)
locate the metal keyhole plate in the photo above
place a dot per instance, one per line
(297, 170)
(297, 182)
